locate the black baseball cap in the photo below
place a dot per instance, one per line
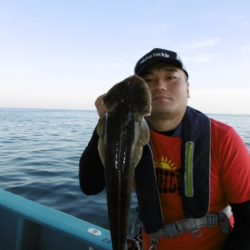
(157, 56)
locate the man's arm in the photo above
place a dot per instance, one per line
(91, 170)
(239, 237)
(235, 180)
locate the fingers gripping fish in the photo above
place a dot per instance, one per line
(122, 133)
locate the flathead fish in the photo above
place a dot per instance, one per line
(122, 133)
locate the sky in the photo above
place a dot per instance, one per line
(60, 54)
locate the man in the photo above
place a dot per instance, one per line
(201, 167)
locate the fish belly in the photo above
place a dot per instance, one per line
(119, 172)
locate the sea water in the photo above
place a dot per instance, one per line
(40, 151)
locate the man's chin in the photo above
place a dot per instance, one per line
(161, 113)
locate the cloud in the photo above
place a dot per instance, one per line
(241, 20)
(199, 51)
(198, 58)
(112, 65)
(221, 101)
(204, 43)
(245, 48)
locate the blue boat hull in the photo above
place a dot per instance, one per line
(27, 225)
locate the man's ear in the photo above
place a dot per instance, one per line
(188, 92)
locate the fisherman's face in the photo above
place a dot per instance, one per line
(169, 88)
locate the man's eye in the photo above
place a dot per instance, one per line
(148, 80)
(171, 77)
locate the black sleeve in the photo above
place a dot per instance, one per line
(91, 170)
(239, 237)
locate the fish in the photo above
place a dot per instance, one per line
(123, 132)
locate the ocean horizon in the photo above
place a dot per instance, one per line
(94, 110)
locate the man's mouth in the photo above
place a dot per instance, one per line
(161, 97)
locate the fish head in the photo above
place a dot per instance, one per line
(133, 93)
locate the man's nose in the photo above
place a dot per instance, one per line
(160, 84)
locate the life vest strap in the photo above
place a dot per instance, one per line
(195, 224)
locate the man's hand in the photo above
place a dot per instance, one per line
(100, 107)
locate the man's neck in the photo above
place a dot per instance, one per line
(167, 123)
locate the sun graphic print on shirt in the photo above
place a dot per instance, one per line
(168, 175)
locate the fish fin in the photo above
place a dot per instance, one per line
(142, 140)
(145, 134)
(101, 143)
